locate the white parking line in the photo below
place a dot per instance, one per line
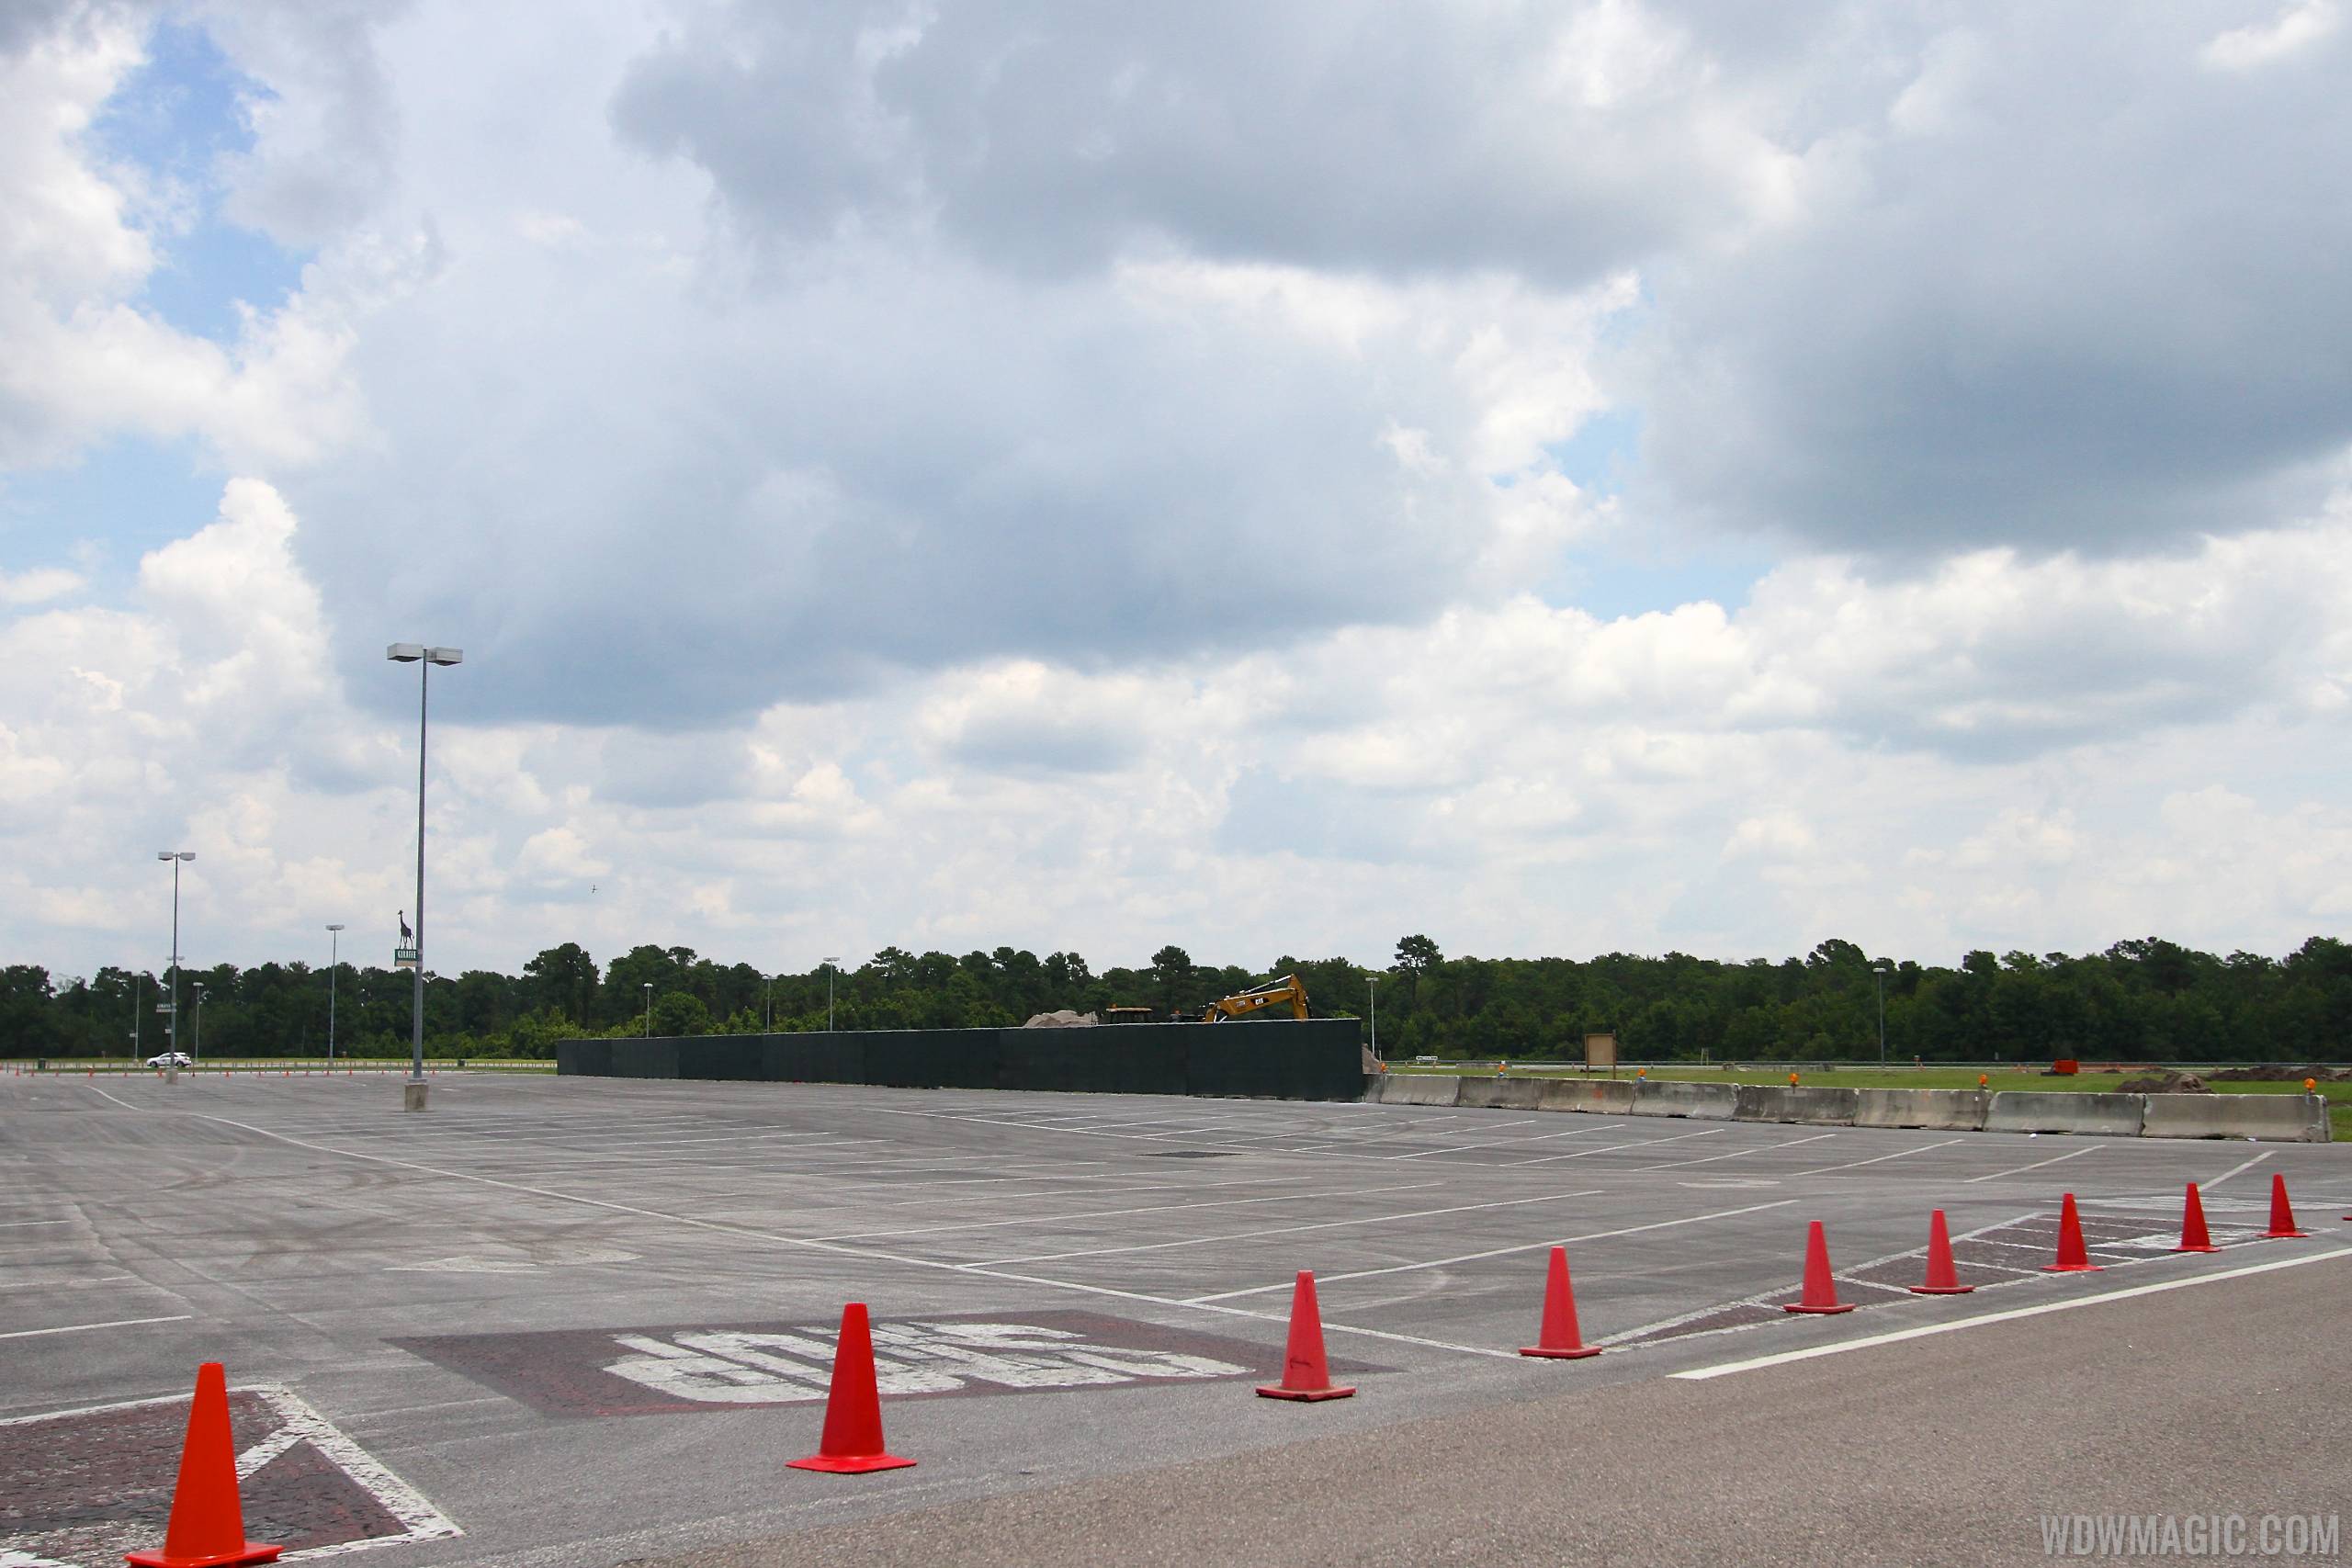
(1899, 1154)
(1506, 1142)
(1498, 1251)
(85, 1327)
(1613, 1148)
(2236, 1170)
(21, 1224)
(68, 1284)
(2037, 1164)
(1736, 1154)
(1122, 1213)
(1319, 1144)
(1923, 1331)
(1290, 1230)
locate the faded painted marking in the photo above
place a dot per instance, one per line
(720, 1367)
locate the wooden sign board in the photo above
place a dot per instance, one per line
(1600, 1051)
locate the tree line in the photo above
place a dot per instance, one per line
(2146, 999)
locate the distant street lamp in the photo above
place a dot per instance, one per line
(176, 856)
(648, 1009)
(830, 971)
(196, 1040)
(334, 947)
(1371, 988)
(424, 659)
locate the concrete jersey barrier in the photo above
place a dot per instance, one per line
(1820, 1107)
(2025, 1111)
(1941, 1109)
(1419, 1088)
(1699, 1101)
(1501, 1094)
(2275, 1118)
(1603, 1097)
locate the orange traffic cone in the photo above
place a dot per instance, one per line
(2194, 1236)
(208, 1522)
(1820, 1285)
(1306, 1375)
(1942, 1280)
(2074, 1257)
(852, 1444)
(2283, 1214)
(1558, 1339)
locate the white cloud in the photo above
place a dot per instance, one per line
(2294, 29)
(38, 586)
(1524, 779)
(1782, 834)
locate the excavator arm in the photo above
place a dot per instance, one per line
(1274, 993)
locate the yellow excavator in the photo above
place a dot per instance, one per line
(1274, 993)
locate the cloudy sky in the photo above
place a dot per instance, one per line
(1560, 476)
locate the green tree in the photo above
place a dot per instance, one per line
(680, 1012)
(564, 977)
(1172, 974)
(1417, 953)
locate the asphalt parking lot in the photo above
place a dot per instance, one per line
(584, 1320)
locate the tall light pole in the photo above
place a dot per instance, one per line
(1878, 973)
(424, 659)
(334, 962)
(648, 1009)
(831, 970)
(176, 856)
(195, 1043)
(137, 998)
(1371, 988)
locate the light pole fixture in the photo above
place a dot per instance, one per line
(648, 1009)
(424, 659)
(176, 856)
(335, 948)
(831, 968)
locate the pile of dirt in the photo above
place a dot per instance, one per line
(2162, 1080)
(1064, 1018)
(2273, 1072)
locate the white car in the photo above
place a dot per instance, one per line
(170, 1059)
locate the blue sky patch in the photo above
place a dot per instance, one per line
(1600, 457)
(127, 495)
(178, 117)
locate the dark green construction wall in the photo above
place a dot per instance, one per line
(1318, 1059)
